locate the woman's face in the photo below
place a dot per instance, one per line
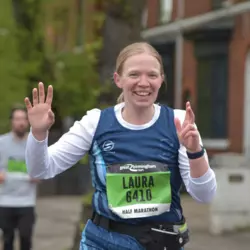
(140, 80)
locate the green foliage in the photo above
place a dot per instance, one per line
(76, 84)
(21, 52)
(24, 61)
(87, 198)
(76, 80)
(29, 34)
(99, 19)
(12, 76)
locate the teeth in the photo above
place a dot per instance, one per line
(142, 93)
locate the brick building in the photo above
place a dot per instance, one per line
(208, 62)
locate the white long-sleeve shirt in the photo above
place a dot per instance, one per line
(45, 162)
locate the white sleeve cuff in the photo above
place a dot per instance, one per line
(203, 189)
(204, 178)
(34, 140)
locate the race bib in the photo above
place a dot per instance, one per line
(137, 190)
(16, 166)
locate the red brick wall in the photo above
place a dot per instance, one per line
(237, 54)
(153, 13)
(196, 7)
(189, 70)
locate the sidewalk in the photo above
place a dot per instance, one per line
(197, 216)
(56, 218)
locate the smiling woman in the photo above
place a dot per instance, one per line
(140, 153)
(134, 71)
(139, 73)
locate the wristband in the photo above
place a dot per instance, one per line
(196, 155)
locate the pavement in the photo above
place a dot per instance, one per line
(56, 221)
(57, 217)
(197, 216)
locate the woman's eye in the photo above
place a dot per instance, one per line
(134, 75)
(152, 75)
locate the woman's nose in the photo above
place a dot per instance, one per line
(143, 81)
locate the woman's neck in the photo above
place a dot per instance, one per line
(138, 116)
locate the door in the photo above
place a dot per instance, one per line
(246, 145)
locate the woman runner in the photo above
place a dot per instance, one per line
(140, 153)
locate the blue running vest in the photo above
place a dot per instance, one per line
(114, 144)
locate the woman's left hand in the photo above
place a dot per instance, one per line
(187, 133)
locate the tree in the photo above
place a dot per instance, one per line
(77, 82)
(122, 26)
(13, 83)
(72, 73)
(75, 78)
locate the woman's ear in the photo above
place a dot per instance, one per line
(163, 78)
(117, 80)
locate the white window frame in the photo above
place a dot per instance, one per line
(166, 10)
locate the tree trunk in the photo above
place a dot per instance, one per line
(121, 27)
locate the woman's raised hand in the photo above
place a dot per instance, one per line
(40, 115)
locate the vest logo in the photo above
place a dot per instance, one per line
(108, 146)
(137, 167)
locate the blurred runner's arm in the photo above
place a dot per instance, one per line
(2, 176)
(2, 168)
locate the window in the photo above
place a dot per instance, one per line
(247, 106)
(166, 8)
(212, 91)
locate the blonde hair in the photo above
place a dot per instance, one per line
(131, 50)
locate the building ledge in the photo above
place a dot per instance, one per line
(216, 144)
(211, 19)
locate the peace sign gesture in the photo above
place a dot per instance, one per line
(187, 132)
(40, 115)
